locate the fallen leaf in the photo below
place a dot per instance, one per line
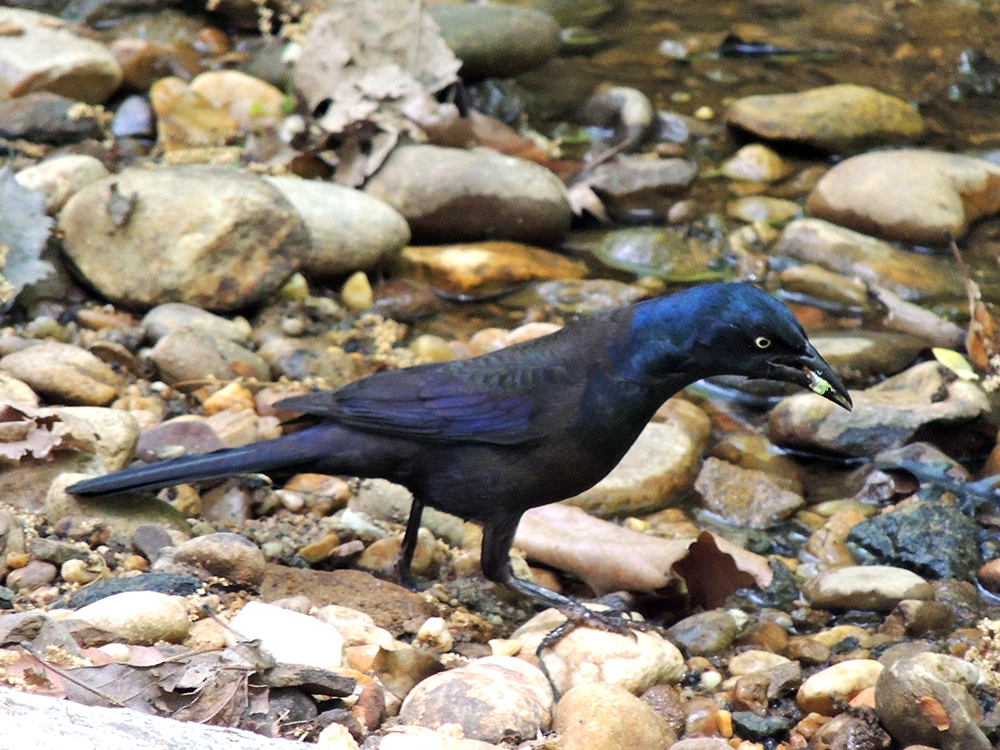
(932, 710)
(24, 232)
(982, 342)
(611, 558)
(37, 431)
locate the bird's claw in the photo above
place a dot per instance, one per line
(609, 621)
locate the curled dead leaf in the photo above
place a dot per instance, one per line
(608, 557)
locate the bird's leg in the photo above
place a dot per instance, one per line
(409, 545)
(495, 560)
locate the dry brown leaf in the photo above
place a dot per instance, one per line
(364, 64)
(932, 710)
(982, 342)
(610, 558)
(36, 431)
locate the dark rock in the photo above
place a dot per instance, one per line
(45, 118)
(932, 539)
(750, 726)
(164, 583)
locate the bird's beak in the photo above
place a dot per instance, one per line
(820, 378)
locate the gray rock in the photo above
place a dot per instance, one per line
(910, 196)
(457, 195)
(874, 261)
(48, 56)
(164, 583)
(173, 316)
(934, 539)
(497, 41)
(60, 176)
(43, 117)
(35, 574)
(705, 633)
(217, 238)
(491, 698)
(226, 555)
(64, 372)
(635, 183)
(383, 500)
(925, 700)
(350, 229)
(187, 355)
(885, 416)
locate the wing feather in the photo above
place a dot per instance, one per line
(463, 401)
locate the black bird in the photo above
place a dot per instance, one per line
(490, 437)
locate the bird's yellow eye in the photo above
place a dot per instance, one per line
(762, 342)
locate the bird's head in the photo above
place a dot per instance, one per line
(736, 329)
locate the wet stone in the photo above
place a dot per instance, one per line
(763, 208)
(874, 587)
(822, 691)
(861, 358)
(909, 196)
(46, 55)
(45, 118)
(753, 727)
(586, 295)
(884, 416)
(936, 540)
(874, 261)
(486, 268)
(705, 633)
(839, 118)
(666, 254)
(756, 162)
(634, 183)
(497, 41)
(455, 195)
(947, 715)
(857, 727)
(745, 497)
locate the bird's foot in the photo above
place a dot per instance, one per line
(610, 621)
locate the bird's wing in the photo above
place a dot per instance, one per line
(495, 401)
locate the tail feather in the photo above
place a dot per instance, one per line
(284, 452)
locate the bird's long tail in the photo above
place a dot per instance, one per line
(285, 452)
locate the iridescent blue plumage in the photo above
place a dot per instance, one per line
(489, 437)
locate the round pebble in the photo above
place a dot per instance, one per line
(139, 617)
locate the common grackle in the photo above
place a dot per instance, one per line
(490, 437)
